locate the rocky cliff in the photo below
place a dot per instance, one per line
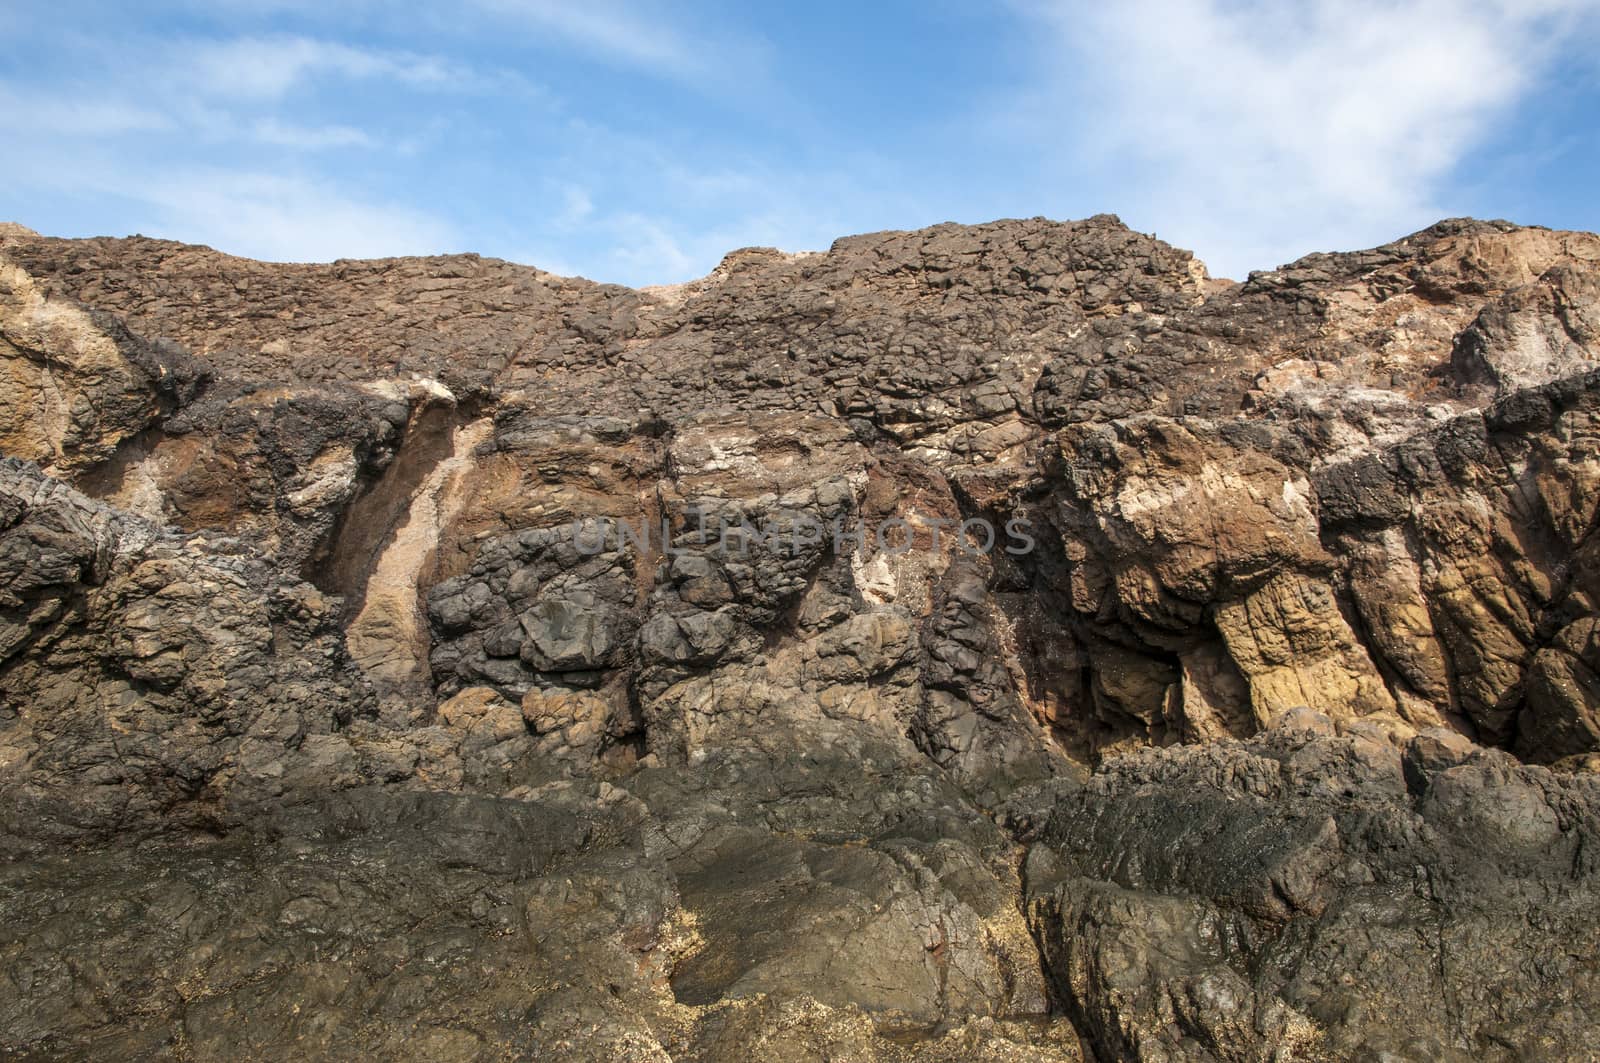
(1088, 658)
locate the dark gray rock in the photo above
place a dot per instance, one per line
(1235, 900)
(320, 732)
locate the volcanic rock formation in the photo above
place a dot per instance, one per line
(370, 688)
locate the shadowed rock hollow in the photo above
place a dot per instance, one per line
(321, 735)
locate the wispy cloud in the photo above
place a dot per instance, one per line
(88, 116)
(264, 68)
(640, 37)
(577, 206)
(668, 217)
(231, 89)
(606, 27)
(309, 138)
(286, 219)
(657, 139)
(1256, 131)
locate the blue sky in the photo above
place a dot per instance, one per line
(637, 143)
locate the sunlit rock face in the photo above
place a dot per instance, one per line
(994, 642)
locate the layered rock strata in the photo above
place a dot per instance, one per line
(370, 685)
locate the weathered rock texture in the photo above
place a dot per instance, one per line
(370, 684)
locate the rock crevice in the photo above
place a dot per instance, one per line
(320, 731)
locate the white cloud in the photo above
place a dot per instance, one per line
(85, 117)
(645, 247)
(609, 28)
(576, 206)
(308, 138)
(1257, 131)
(284, 219)
(210, 92)
(265, 68)
(53, 116)
(727, 64)
(624, 207)
(642, 247)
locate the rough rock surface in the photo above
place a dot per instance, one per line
(439, 658)
(1322, 895)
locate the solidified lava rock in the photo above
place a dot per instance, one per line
(1266, 726)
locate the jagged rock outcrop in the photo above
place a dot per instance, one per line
(1324, 896)
(148, 674)
(983, 642)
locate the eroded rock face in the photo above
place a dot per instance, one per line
(492, 663)
(1327, 894)
(151, 675)
(78, 385)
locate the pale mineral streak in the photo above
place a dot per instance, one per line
(320, 736)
